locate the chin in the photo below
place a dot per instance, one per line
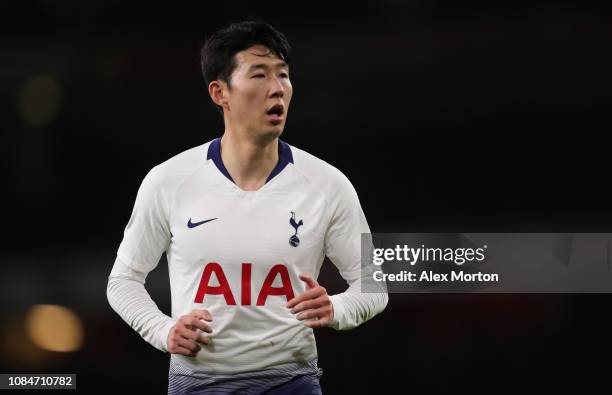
(267, 132)
(274, 131)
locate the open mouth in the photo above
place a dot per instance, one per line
(275, 113)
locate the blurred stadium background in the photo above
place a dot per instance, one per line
(446, 116)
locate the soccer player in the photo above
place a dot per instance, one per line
(246, 221)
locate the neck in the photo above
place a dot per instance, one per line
(249, 162)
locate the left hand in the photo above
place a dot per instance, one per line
(313, 305)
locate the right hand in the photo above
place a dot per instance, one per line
(183, 337)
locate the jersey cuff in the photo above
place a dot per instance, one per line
(339, 312)
(163, 335)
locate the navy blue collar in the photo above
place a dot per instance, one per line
(284, 158)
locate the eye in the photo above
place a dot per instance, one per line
(258, 76)
(284, 75)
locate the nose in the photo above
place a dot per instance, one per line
(277, 90)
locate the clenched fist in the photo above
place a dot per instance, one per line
(183, 337)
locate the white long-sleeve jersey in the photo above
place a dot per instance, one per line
(238, 254)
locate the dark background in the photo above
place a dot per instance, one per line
(445, 115)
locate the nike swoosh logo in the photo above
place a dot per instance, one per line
(194, 224)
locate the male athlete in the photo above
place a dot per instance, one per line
(246, 221)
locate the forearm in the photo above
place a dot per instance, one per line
(129, 298)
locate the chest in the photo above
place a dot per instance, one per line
(267, 228)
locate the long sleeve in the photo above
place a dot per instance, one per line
(127, 295)
(343, 247)
(146, 237)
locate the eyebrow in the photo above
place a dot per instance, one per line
(264, 66)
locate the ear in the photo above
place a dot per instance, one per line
(218, 93)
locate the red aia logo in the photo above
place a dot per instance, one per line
(224, 289)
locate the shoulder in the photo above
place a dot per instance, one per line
(321, 174)
(171, 172)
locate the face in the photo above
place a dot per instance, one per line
(258, 98)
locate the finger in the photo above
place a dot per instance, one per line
(306, 295)
(313, 313)
(307, 314)
(191, 322)
(183, 351)
(187, 333)
(201, 314)
(204, 340)
(188, 344)
(194, 336)
(305, 305)
(310, 282)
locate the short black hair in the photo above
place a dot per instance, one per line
(217, 55)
